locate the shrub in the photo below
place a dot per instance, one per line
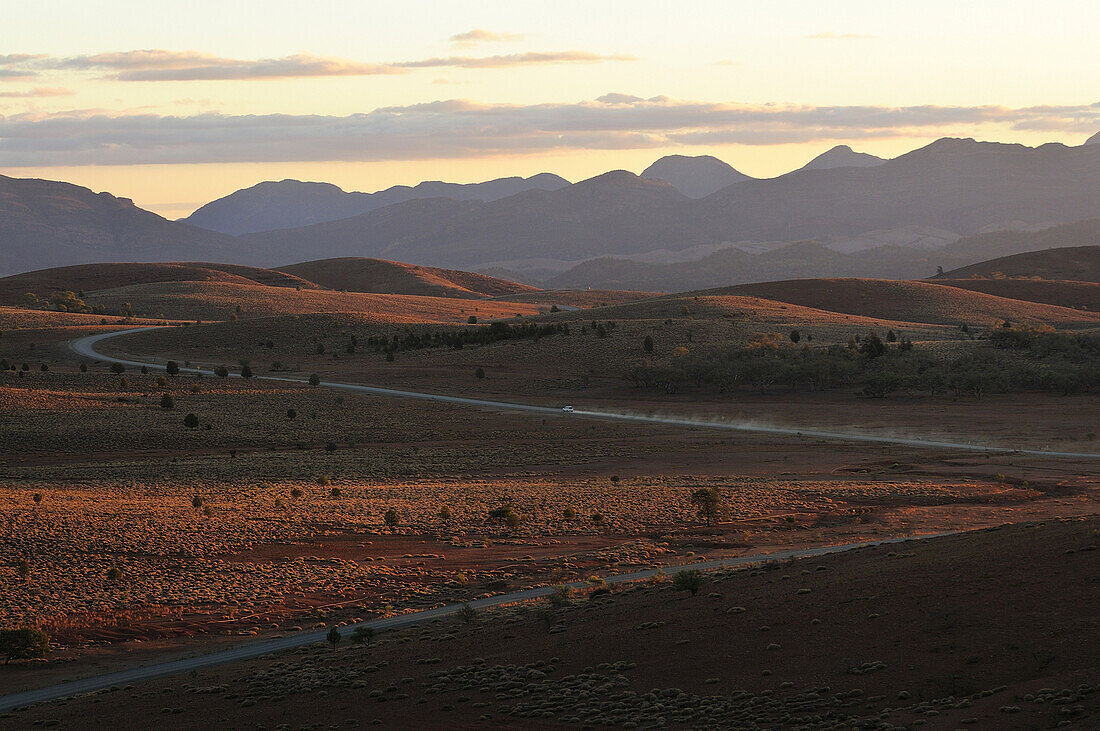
(559, 597)
(314, 379)
(362, 635)
(167, 402)
(145, 370)
(43, 368)
(221, 372)
(114, 574)
(444, 513)
(291, 414)
(37, 497)
(647, 344)
(688, 580)
(512, 520)
(334, 492)
(468, 614)
(479, 373)
(296, 492)
(569, 514)
(23, 568)
(172, 368)
(191, 421)
(472, 319)
(246, 372)
(597, 519)
(23, 643)
(83, 367)
(390, 518)
(795, 336)
(196, 501)
(115, 368)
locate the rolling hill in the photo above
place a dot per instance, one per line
(912, 301)
(293, 203)
(92, 277)
(695, 177)
(356, 274)
(1077, 295)
(1079, 263)
(44, 223)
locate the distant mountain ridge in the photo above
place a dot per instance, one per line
(695, 177)
(842, 156)
(292, 203)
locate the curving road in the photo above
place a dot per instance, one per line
(85, 347)
(258, 648)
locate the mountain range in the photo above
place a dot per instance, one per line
(293, 203)
(858, 215)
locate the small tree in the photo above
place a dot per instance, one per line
(479, 373)
(472, 319)
(167, 402)
(707, 503)
(647, 344)
(191, 421)
(362, 635)
(512, 520)
(891, 336)
(569, 514)
(291, 414)
(24, 643)
(390, 518)
(795, 336)
(37, 497)
(444, 513)
(172, 368)
(314, 379)
(468, 614)
(196, 501)
(23, 569)
(246, 371)
(688, 580)
(597, 519)
(333, 637)
(83, 367)
(116, 368)
(114, 574)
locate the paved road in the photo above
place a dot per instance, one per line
(86, 347)
(258, 648)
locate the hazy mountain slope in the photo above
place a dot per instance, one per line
(292, 203)
(1076, 263)
(356, 274)
(957, 185)
(617, 212)
(45, 223)
(696, 176)
(842, 156)
(977, 249)
(1094, 140)
(370, 234)
(94, 277)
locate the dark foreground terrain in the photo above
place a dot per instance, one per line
(989, 629)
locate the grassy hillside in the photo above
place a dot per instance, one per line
(358, 274)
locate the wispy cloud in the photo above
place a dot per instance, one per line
(163, 65)
(480, 35)
(830, 35)
(37, 92)
(532, 58)
(466, 129)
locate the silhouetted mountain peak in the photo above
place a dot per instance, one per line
(1094, 140)
(842, 156)
(695, 177)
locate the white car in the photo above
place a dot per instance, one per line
(567, 409)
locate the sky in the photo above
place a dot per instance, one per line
(175, 104)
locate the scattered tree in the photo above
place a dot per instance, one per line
(707, 504)
(291, 413)
(569, 514)
(167, 402)
(23, 568)
(479, 373)
(362, 635)
(314, 379)
(647, 344)
(333, 637)
(83, 367)
(444, 513)
(221, 372)
(196, 501)
(23, 644)
(795, 336)
(246, 371)
(37, 497)
(468, 614)
(191, 421)
(390, 518)
(115, 368)
(114, 574)
(472, 319)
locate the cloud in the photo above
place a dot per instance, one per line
(37, 92)
(458, 128)
(163, 65)
(480, 35)
(514, 59)
(834, 36)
